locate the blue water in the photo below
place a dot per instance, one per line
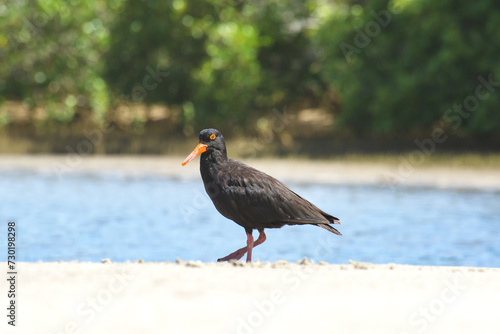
(91, 217)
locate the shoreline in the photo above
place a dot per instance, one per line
(194, 297)
(287, 170)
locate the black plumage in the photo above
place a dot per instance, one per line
(249, 197)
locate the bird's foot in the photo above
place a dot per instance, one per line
(234, 256)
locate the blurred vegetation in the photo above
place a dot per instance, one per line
(425, 59)
(384, 69)
(51, 58)
(224, 62)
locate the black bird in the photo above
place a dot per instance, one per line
(249, 197)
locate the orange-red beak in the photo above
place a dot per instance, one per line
(199, 149)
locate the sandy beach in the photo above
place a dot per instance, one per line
(287, 170)
(280, 297)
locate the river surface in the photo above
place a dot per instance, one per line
(88, 217)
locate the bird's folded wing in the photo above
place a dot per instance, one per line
(259, 197)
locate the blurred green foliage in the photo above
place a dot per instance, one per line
(384, 67)
(227, 61)
(51, 55)
(409, 62)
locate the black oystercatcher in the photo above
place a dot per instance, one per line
(249, 197)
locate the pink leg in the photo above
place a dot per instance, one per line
(240, 252)
(249, 247)
(260, 239)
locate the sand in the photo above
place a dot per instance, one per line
(288, 170)
(194, 297)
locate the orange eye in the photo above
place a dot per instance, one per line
(212, 136)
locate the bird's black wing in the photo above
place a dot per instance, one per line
(260, 199)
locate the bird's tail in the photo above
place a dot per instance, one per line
(330, 218)
(330, 228)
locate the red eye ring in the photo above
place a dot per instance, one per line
(212, 136)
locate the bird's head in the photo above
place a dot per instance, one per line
(210, 140)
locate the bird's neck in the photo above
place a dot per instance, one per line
(211, 163)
